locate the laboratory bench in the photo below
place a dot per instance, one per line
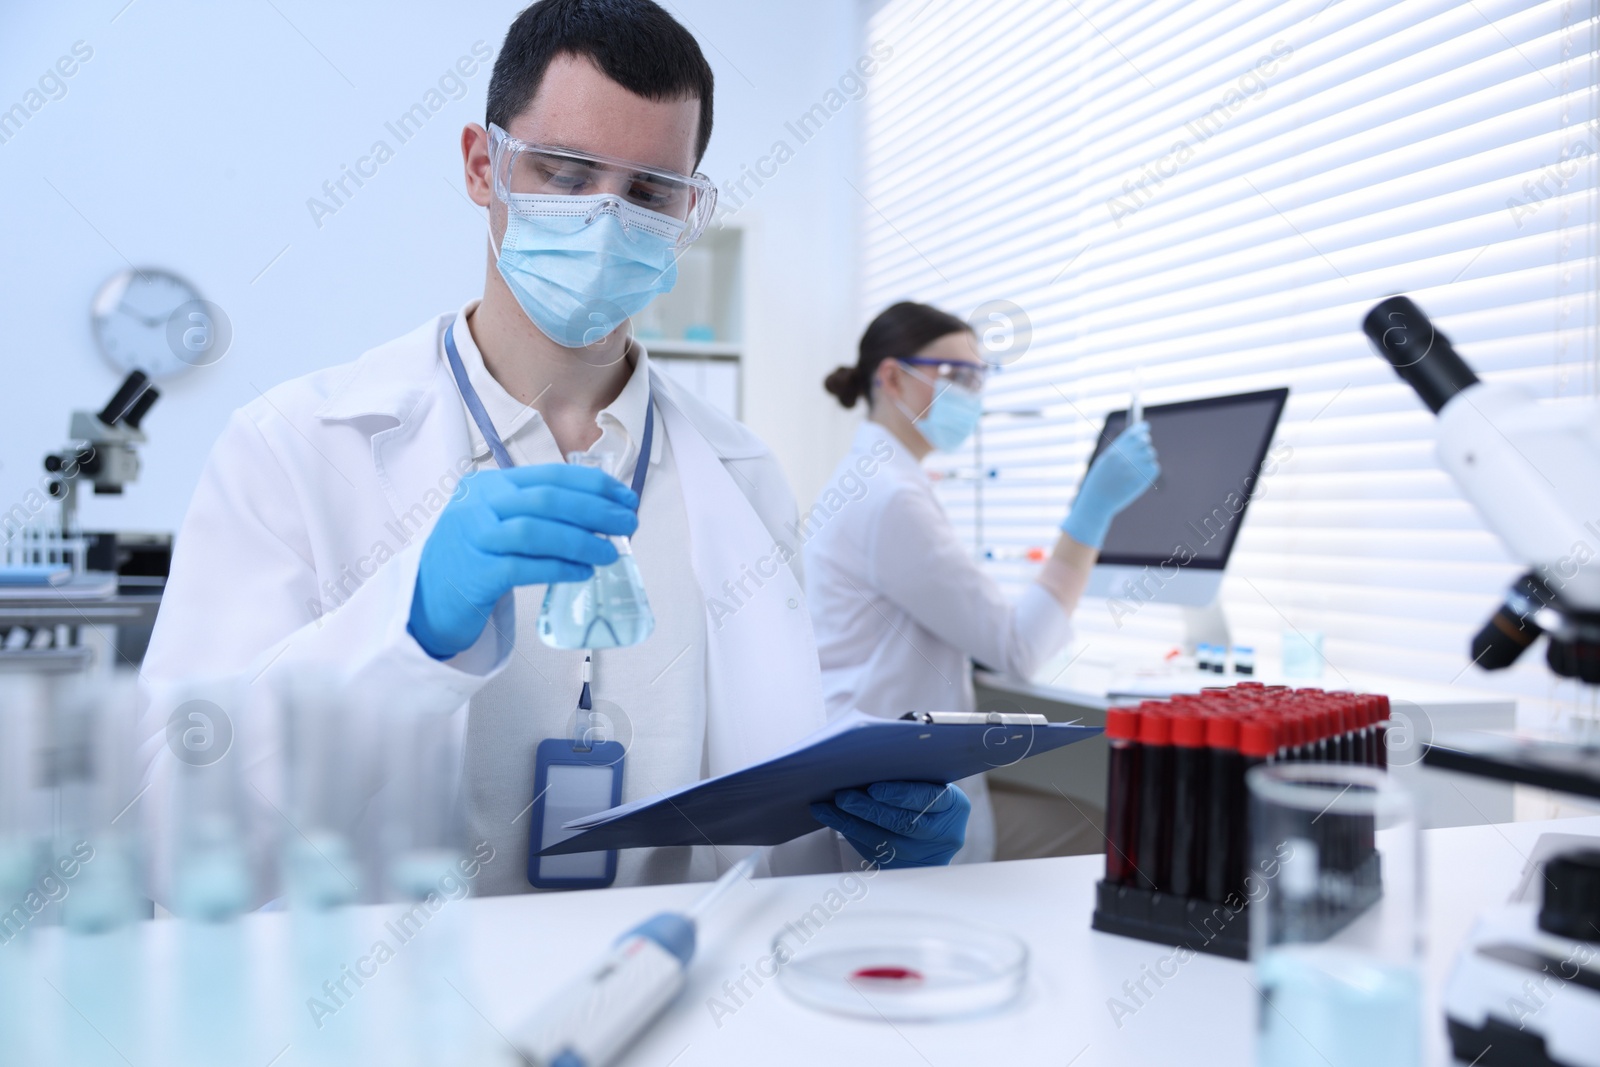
(1206, 1014)
(492, 960)
(95, 621)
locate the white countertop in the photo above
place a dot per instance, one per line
(524, 948)
(515, 951)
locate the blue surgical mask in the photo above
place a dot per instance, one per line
(580, 265)
(952, 416)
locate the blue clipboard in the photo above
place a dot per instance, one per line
(768, 803)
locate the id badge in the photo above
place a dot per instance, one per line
(569, 783)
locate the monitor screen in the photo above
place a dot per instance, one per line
(1211, 452)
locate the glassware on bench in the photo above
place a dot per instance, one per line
(610, 609)
(1336, 931)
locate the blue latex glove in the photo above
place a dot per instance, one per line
(1118, 478)
(900, 824)
(505, 528)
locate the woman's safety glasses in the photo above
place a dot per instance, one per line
(530, 170)
(969, 376)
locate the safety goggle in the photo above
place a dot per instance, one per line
(969, 376)
(522, 169)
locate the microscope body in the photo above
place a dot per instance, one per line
(102, 448)
(1530, 469)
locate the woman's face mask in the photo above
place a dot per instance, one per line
(951, 417)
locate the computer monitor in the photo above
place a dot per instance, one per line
(1171, 545)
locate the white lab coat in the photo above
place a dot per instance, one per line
(902, 608)
(301, 545)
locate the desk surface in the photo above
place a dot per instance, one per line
(477, 968)
(524, 948)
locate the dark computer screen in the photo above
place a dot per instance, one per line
(1210, 452)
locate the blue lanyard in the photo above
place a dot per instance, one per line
(498, 448)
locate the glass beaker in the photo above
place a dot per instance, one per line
(1335, 916)
(610, 609)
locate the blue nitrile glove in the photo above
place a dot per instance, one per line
(505, 528)
(1118, 478)
(900, 824)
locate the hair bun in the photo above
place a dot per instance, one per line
(844, 383)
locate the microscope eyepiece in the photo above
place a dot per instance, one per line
(141, 407)
(1418, 352)
(126, 396)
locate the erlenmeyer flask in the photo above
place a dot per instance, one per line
(610, 610)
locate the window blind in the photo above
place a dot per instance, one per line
(1213, 193)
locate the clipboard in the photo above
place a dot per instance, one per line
(768, 803)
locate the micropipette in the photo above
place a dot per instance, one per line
(599, 1015)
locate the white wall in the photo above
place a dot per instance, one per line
(195, 134)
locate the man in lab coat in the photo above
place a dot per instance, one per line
(399, 517)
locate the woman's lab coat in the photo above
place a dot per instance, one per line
(901, 608)
(301, 544)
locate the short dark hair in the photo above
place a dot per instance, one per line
(899, 331)
(634, 42)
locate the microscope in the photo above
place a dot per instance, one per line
(1525, 990)
(102, 448)
(1532, 469)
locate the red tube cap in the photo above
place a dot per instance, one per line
(1155, 728)
(1258, 737)
(1122, 723)
(1189, 729)
(1222, 732)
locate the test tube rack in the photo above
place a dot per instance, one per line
(1178, 868)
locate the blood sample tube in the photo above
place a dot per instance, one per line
(1302, 734)
(1190, 774)
(1381, 732)
(1258, 744)
(1223, 802)
(1155, 798)
(1364, 753)
(1122, 796)
(1374, 742)
(1325, 729)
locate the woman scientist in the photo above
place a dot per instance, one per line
(899, 605)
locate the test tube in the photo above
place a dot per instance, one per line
(1155, 798)
(330, 779)
(210, 870)
(93, 773)
(94, 781)
(20, 699)
(1122, 796)
(1374, 745)
(1381, 735)
(1258, 744)
(332, 768)
(1225, 807)
(1189, 781)
(426, 1015)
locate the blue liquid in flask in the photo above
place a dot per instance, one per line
(610, 610)
(1333, 1006)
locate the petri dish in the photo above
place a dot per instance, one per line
(898, 966)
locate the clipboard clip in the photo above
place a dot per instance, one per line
(976, 718)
